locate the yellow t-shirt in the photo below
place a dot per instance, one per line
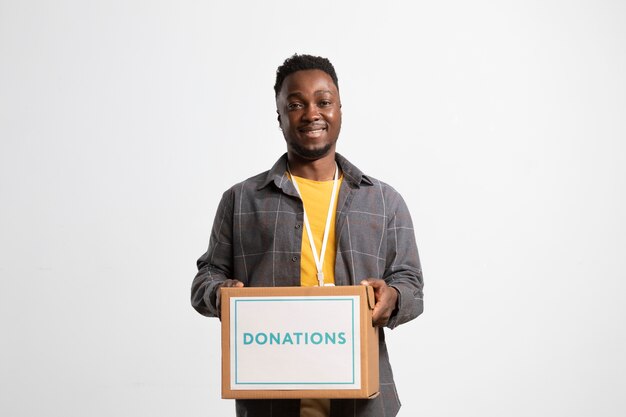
(316, 198)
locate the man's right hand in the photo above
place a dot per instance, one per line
(232, 283)
(226, 283)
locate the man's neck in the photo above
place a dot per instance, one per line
(322, 169)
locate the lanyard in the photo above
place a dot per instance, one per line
(319, 260)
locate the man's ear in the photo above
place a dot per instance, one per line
(278, 118)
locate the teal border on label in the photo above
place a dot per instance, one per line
(285, 299)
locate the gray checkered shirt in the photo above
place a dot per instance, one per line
(257, 239)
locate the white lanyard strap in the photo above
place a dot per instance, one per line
(319, 260)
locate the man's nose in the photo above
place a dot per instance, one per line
(311, 113)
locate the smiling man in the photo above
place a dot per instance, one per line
(309, 114)
(315, 219)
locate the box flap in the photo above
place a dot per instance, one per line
(371, 300)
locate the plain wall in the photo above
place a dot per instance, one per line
(501, 123)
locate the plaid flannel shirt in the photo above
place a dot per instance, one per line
(257, 239)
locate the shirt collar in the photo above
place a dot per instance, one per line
(351, 174)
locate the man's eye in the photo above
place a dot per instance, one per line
(325, 103)
(294, 106)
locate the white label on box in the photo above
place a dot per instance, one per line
(295, 343)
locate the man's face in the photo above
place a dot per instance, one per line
(309, 113)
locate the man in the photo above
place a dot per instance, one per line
(314, 219)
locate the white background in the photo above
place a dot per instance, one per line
(501, 123)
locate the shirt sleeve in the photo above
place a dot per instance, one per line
(403, 269)
(216, 265)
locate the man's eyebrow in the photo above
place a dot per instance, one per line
(317, 93)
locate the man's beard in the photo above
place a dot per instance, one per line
(307, 153)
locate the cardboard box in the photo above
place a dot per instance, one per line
(299, 342)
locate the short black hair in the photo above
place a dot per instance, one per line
(301, 63)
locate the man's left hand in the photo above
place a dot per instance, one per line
(386, 299)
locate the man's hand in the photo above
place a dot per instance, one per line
(226, 283)
(386, 300)
(232, 283)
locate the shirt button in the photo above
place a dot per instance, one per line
(294, 259)
(298, 226)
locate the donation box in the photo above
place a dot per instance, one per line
(299, 342)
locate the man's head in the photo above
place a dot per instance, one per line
(308, 106)
(300, 63)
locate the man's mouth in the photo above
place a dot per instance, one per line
(312, 130)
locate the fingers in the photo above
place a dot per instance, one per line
(226, 283)
(386, 300)
(232, 283)
(373, 282)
